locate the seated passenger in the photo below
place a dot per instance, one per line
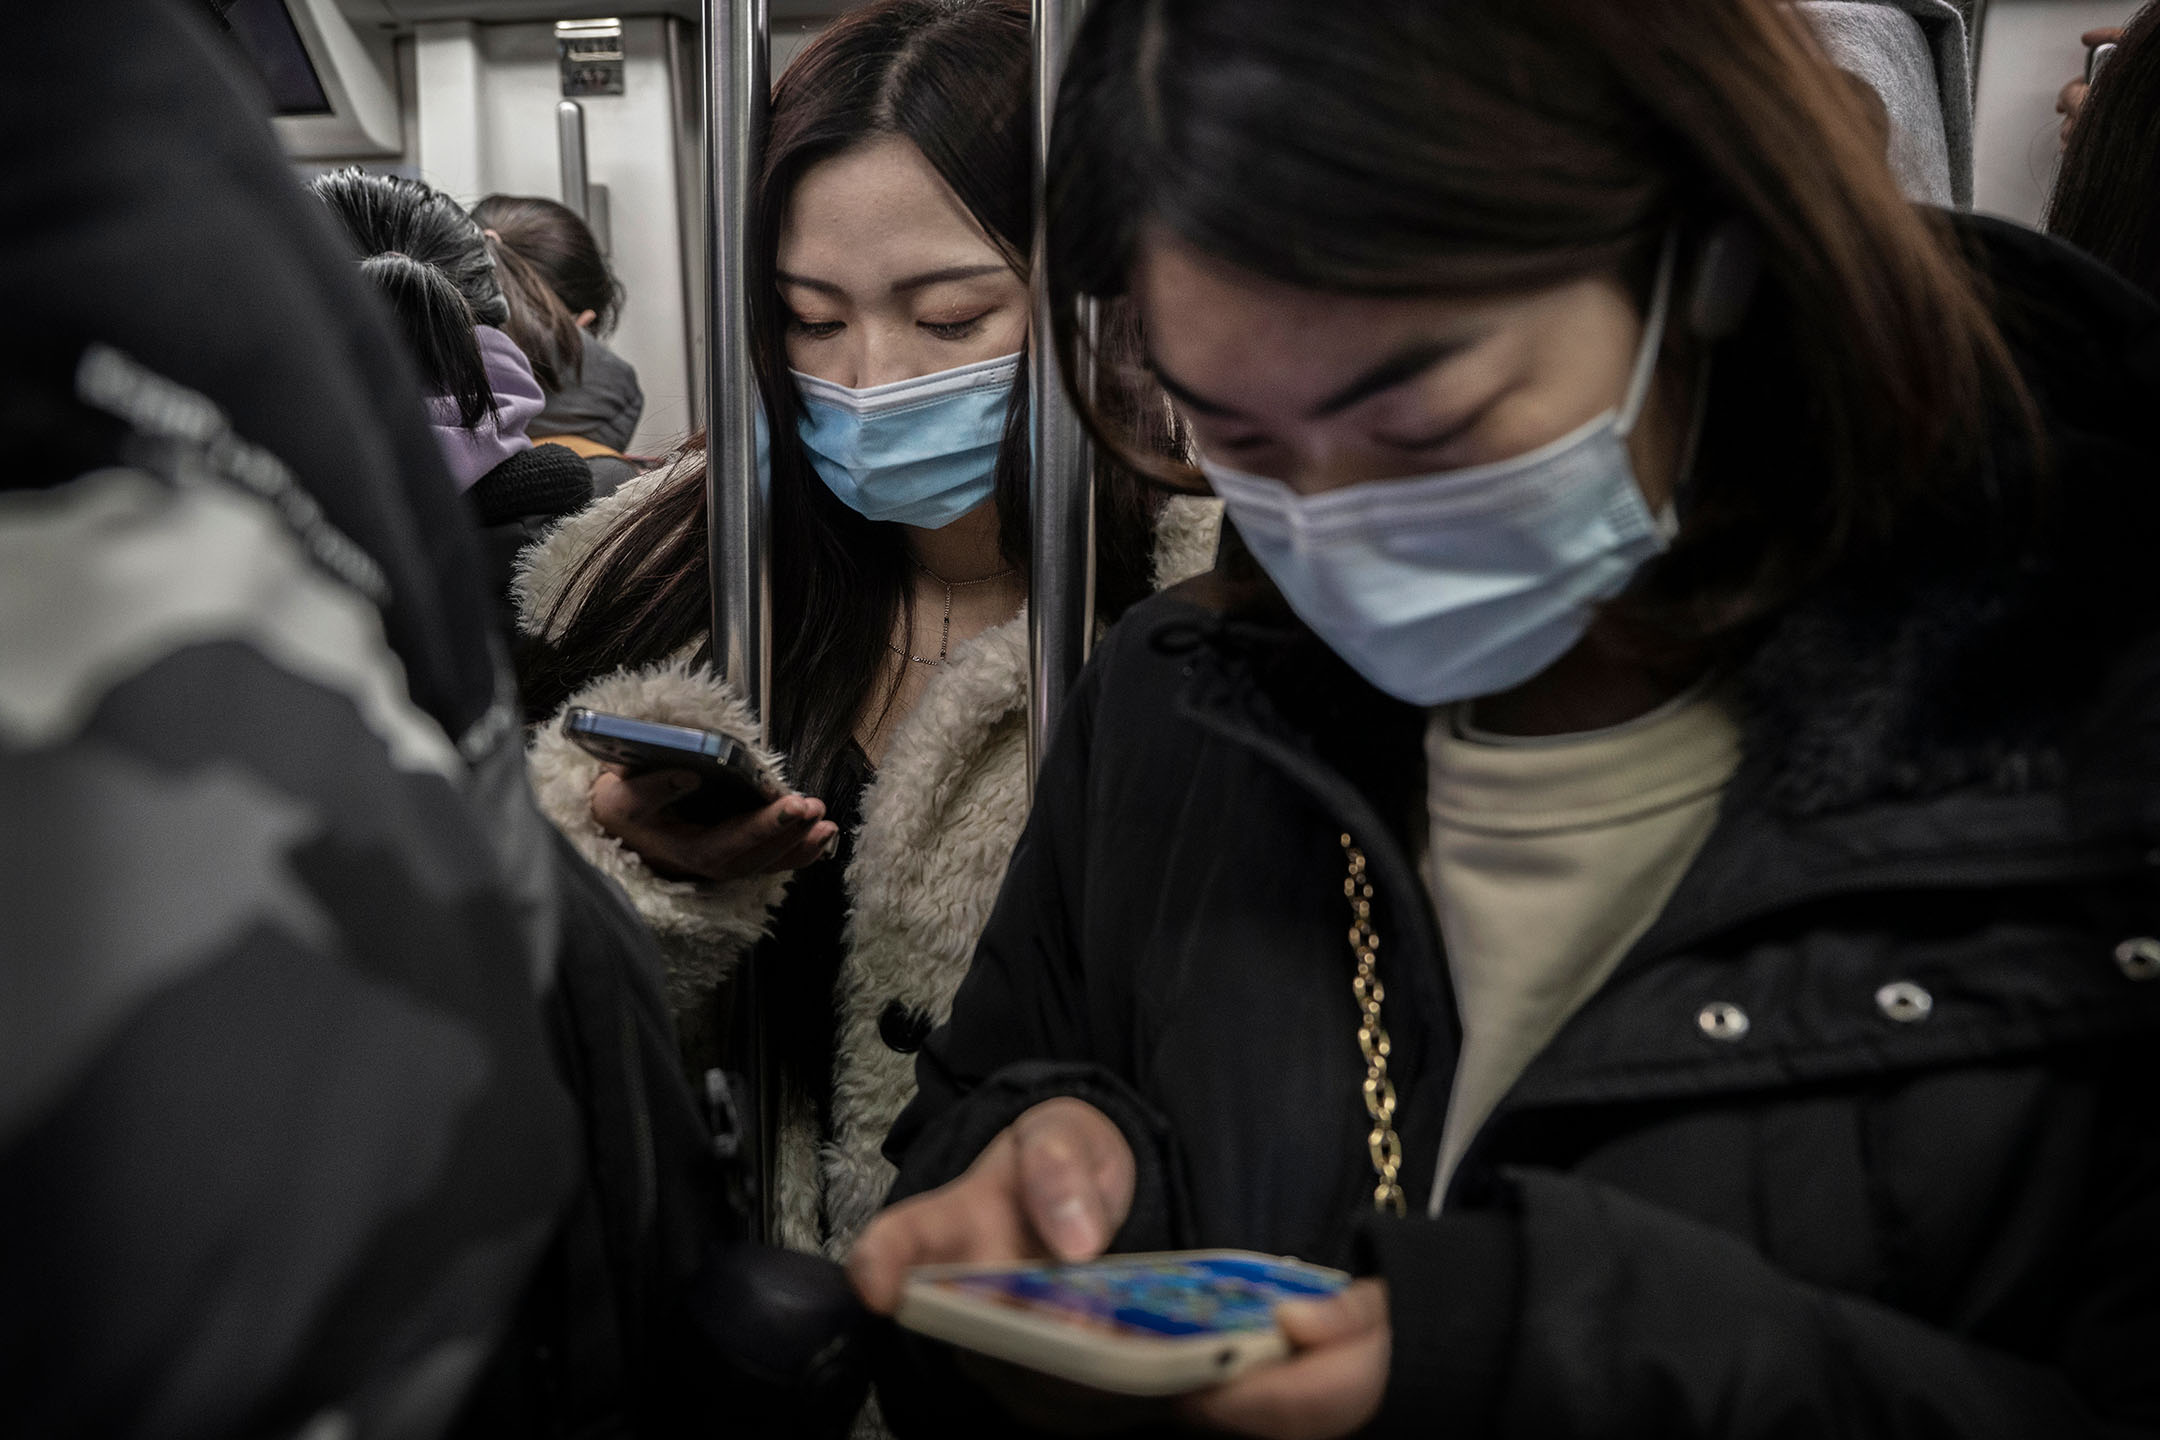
(1912, 56)
(1646, 850)
(426, 257)
(2107, 194)
(593, 398)
(895, 228)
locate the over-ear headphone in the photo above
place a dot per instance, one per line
(1727, 271)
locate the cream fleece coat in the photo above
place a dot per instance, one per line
(939, 823)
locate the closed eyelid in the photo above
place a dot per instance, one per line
(1433, 440)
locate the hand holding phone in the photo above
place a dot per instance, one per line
(1054, 1185)
(695, 803)
(1164, 1324)
(730, 779)
(639, 811)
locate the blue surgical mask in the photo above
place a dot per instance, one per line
(1468, 582)
(916, 452)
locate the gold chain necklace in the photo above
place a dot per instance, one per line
(944, 644)
(1383, 1143)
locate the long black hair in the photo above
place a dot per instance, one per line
(2105, 198)
(427, 258)
(1396, 147)
(953, 78)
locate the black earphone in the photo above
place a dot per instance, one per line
(1727, 271)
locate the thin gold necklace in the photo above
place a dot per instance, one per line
(944, 645)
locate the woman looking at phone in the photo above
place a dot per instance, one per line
(1645, 853)
(890, 302)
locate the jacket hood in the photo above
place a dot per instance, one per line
(473, 451)
(1947, 663)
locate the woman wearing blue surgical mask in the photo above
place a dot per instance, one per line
(891, 313)
(1643, 853)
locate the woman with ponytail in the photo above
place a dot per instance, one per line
(564, 303)
(1644, 851)
(432, 265)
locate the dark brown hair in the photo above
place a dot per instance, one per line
(1410, 146)
(953, 78)
(2107, 198)
(539, 324)
(561, 248)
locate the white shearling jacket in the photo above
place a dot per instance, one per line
(939, 822)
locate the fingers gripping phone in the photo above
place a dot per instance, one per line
(1161, 1324)
(731, 780)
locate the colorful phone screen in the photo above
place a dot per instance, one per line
(1200, 1295)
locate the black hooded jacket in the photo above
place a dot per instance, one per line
(1852, 1215)
(339, 1095)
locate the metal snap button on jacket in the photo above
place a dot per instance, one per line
(1904, 1002)
(1722, 1021)
(2139, 958)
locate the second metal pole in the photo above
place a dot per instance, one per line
(737, 496)
(570, 145)
(1061, 496)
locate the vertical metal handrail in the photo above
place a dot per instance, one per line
(1061, 497)
(737, 496)
(570, 148)
(738, 89)
(686, 93)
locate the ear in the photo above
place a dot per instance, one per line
(1726, 274)
(585, 318)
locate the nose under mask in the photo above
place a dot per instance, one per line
(917, 452)
(1466, 582)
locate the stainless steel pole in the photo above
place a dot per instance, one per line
(1061, 603)
(570, 146)
(737, 89)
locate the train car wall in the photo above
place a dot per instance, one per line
(2028, 49)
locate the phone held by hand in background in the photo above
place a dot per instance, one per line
(732, 782)
(1161, 1324)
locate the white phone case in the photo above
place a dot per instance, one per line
(1144, 1365)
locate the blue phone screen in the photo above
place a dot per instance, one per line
(1200, 1296)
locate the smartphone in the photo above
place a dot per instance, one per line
(732, 781)
(1161, 1324)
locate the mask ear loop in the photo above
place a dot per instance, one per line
(1653, 341)
(1646, 362)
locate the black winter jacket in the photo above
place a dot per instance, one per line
(1860, 1139)
(340, 1095)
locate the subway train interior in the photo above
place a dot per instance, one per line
(468, 98)
(945, 718)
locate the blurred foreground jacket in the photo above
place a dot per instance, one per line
(336, 1096)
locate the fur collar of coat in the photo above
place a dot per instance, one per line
(939, 823)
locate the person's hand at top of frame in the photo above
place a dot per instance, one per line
(786, 835)
(1054, 1185)
(2071, 99)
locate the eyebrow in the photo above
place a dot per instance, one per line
(1406, 364)
(899, 287)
